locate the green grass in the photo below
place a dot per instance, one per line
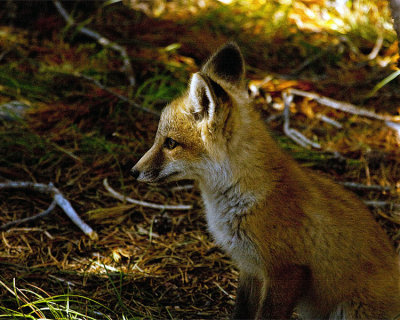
(241, 16)
(17, 84)
(18, 142)
(366, 20)
(158, 90)
(27, 301)
(36, 304)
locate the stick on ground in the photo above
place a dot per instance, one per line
(127, 67)
(359, 186)
(343, 106)
(121, 197)
(36, 216)
(293, 134)
(58, 199)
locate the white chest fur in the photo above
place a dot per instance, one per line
(225, 211)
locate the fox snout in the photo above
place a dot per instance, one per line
(154, 168)
(149, 176)
(143, 173)
(148, 168)
(154, 175)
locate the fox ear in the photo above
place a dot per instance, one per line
(202, 97)
(205, 95)
(226, 64)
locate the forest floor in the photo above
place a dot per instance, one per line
(152, 263)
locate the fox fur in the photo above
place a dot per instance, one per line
(301, 242)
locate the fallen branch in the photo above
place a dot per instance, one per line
(395, 127)
(36, 216)
(331, 121)
(383, 204)
(293, 134)
(69, 283)
(393, 207)
(58, 199)
(123, 198)
(343, 106)
(127, 67)
(359, 186)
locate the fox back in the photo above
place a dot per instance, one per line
(301, 242)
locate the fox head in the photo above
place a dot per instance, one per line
(196, 129)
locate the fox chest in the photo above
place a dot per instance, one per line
(225, 223)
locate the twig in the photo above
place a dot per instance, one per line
(359, 186)
(343, 106)
(331, 121)
(377, 47)
(293, 134)
(37, 216)
(383, 204)
(182, 188)
(127, 67)
(58, 199)
(394, 207)
(382, 214)
(69, 283)
(116, 94)
(395, 127)
(13, 110)
(286, 124)
(223, 291)
(121, 197)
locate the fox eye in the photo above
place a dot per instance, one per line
(170, 143)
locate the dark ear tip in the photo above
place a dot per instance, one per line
(230, 48)
(231, 44)
(227, 64)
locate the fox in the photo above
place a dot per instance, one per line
(301, 242)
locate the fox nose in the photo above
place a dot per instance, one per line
(135, 173)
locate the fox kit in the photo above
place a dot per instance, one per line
(301, 242)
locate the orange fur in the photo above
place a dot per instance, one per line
(301, 242)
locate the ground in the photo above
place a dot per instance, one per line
(151, 263)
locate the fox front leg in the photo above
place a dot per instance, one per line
(248, 297)
(282, 292)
